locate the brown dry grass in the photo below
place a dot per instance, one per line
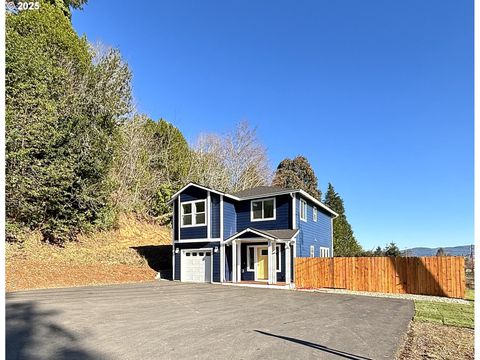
(99, 258)
(428, 340)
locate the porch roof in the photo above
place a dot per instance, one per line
(281, 234)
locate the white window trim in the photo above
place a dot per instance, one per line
(312, 247)
(255, 258)
(194, 213)
(263, 209)
(315, 214)
(324, 252)
(306, 210)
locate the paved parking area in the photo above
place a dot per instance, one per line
(167, 320)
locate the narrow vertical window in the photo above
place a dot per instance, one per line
(315, 215)
(251, 258)
(312, 251)
(303, 210)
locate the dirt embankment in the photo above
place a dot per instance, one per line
(133, 252)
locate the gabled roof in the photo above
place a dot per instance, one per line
(283, 234)
(257, 192)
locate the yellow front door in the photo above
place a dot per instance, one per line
(262, 264)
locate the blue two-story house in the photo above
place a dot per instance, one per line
(251, 236)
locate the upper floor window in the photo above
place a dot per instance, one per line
(193, 213)
(324, 251)
(315, 214)
(303, 210)
(312, 251)
(263, 210)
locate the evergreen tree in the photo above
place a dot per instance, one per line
(297, 174)
(440, 252)
(344, 242)
(62, 113)
(392, 250)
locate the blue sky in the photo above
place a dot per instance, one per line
(378, 95)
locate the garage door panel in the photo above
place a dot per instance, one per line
(196, 266)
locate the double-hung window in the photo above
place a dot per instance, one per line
(263, 209)
(324, 251)
(315, 215)
(193, 213)
(303, 210)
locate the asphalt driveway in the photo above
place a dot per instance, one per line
(165, 320)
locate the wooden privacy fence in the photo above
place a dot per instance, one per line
(439, 275)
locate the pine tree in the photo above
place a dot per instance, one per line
(344, 242)
(297, 174)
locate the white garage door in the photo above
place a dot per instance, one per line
(196, 265)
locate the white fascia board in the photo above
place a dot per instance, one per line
(315, 201)
(200, 187)
(233, 237)
(204, 240)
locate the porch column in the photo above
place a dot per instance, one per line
(239, 261)
(287, 263)
(274, 261)
(222, 262)
(272, 273)
(234, 261)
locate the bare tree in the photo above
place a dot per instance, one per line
(232, 162)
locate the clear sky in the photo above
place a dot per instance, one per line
(378, 95)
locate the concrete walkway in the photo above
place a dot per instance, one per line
(165, 320)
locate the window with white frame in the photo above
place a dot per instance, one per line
(315, 214)
(262, 209)
(303, 210)
(312, 251)
(324, 251)
(193, 213)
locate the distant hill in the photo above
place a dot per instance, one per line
(463, 250)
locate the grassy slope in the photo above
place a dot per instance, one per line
(445, 313)
(103, 257)
(460, 315)
(441, 331)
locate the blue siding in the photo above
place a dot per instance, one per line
(313, 233)
(193, 193)
(175, 220)
(229, 218)
(283, 218)
(215, 257)
(215, 216)
(195, 232)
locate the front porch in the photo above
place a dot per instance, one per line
(259, 258)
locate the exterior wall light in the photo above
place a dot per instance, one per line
(177, 250)
(215, 249)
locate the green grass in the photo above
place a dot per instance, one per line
(470, 294)
(460, 315)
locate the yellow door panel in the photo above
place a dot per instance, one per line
(262, 264)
